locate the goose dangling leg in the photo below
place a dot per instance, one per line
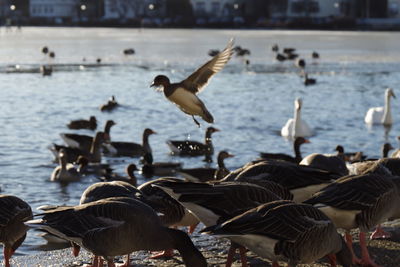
(366, 260)
(195, 121)
(231, 253)
(349, 242)
(379, 233)
(110, 263)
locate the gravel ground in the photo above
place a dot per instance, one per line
(385, 252)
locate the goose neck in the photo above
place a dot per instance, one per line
(191, 256)
(387, 113)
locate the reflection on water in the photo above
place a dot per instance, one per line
(250, 104)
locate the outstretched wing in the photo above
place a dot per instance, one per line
(199, 79)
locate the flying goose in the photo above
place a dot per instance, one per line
(296, 127)
(194, 148)
(302, 181)
(84, 142)
(280, 156)
(183, 94)
(216, 203)
(381, 115)
(283, 230)
(129, 149)
(117, 226)
(63, 172)
(361, 201)
(13, 212)
(207, 174)
(90, 124)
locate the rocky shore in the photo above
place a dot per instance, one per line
(385, 252)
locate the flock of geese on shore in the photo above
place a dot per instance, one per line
(280, 207)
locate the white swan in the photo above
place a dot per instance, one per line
(296, 127)
(381, 115)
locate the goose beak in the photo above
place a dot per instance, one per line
(230, 155)
(306, 141)
(152, 85)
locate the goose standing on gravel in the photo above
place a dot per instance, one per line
(281, 156)
(117, 226)
(183, 94)
(13, 212)
(283, 230)
(216, 203)
(381, 115)
(302, 181)
(363, 202)
(296, 127)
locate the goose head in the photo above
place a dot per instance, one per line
(130, 170)
(339, 149)
(160, 82)
(385, 149)
(147, 132)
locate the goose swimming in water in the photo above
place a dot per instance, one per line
(381, 115)
(184, 93)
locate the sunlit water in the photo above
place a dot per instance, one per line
(250, 105)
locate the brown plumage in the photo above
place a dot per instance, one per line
(13, 212)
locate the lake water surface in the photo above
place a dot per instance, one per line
(250, 105)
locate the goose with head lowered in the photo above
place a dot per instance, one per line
(361, 201)
(184, 93)
(381, 115)
(217, 202)
(117, 226)
(296, 127)
(283, 230)
(13, 212)
(281, 156)
(301, 181)
(194, 148)
(129, 149)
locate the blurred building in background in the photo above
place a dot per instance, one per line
(321, 14)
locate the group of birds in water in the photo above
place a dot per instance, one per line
(280, 207)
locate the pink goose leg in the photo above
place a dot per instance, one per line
(349, 242)
(366, 260)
